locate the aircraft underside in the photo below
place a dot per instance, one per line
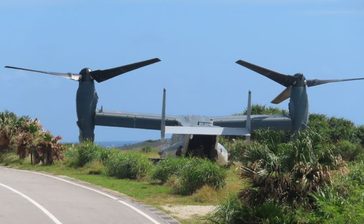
(203, 146)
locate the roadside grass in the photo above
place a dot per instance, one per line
(142, 190)
(150, 152)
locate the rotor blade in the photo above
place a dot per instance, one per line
(316, 82)
(102, 75)
(285, 94)
(64, 75)
(285, 80)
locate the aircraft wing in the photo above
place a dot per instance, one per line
(133, 120)
(279, 122)
(203, 125)
(208, 130)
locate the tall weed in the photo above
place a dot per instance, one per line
(186, 175)
(343, 200)
(288, 173)
(199, 172)
(168, 167)
(130, 165)
(79, 155)
(234, 211)
(349, 151)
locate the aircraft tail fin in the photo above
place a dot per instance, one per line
(248, 115)
(163, 120)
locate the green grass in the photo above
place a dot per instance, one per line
(142, 190)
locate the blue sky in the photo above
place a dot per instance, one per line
(198, 43)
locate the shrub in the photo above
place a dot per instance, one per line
(289, 173)
(168, 167)
(236, 148)
(234, 211)
(205, 194)
(94, 167)
(258, 152)
(147, 149)
(308, 147)
(319, 123)
(199, 172)
(71, 156)
(301, 180)
(186, 175)
(79, 155)
(270, 137)
(231, 211)
(348, 151)
(127, 165)
(342, 201)
(9, 158)
(341, 129)
(46, 149)
(262, 109)
(26, 137)
(103, 154)
(360, 134)
(23, 143)
(7, 128)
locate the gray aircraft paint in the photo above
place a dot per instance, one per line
(86, 96)
(86, 102)
(298, 108)
(296, 90)
(298, 104)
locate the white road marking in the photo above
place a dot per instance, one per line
(98, 192)
(44, 210)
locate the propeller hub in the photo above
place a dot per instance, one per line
(299, 76)
(85, 74)
(300, 80)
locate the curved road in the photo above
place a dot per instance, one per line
(30, 197)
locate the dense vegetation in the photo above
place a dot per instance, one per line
(315, 176)
(184, 175)
(26, 136)
(189, 174)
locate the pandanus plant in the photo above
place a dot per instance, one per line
(26, 137)
(47, 149)
(7, 128)
(289, 173)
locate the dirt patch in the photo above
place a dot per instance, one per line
(188, 211)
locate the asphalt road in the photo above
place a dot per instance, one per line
(30, 197)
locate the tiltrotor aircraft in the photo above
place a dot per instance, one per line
(192, 135)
